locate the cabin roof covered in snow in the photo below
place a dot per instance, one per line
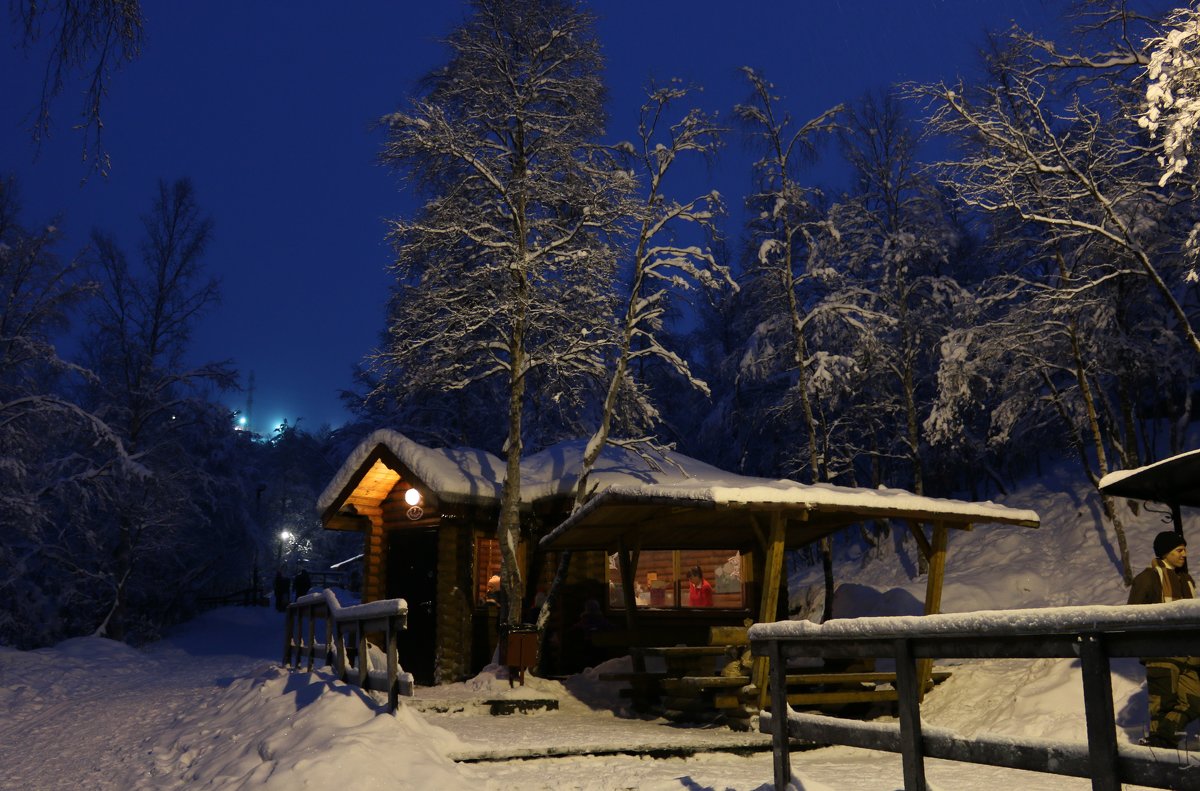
(1174, 481)
(663, 495)
(448, 475)
(733, 512)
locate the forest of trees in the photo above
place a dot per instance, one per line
(1009, 281)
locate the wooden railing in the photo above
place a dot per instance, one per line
(1091, 634)
(350, 662)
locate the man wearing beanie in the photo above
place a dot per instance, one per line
(1172, 683)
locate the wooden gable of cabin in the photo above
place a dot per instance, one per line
(425, 554)
(440, 559)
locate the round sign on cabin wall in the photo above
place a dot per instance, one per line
(415, 512)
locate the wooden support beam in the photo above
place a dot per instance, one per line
(393, 664)
(312, 639)
(361, 660)
(919, 535)
(912, 750)
(1098, 709)
(933, 595)
(626, 563)
(772, 574)
(756, 523)
(779, 715)
(288, 626)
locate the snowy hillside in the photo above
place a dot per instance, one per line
(209, 708)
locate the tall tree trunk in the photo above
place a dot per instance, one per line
(508, 531)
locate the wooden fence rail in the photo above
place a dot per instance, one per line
(350, 662)
(1093, 635)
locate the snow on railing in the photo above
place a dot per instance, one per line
(1091, 634)
(352, 663)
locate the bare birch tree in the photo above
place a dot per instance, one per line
(1067, 155)
(57, 457)
(785, 226)
(141, 331)
(664, 264)
(1051, 147)
(506, 271)
(795, 295)
(88, 39)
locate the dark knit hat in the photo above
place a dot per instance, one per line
(1167, 540)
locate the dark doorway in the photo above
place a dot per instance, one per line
(412, 576)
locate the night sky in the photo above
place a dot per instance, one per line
(270, 109)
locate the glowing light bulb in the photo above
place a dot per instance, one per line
(412, 497)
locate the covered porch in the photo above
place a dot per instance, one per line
(761, 519)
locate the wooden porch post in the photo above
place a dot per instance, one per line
(626, 564)
(933, 596)
(772, 574)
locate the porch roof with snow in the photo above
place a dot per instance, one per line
(730, 512)
(1173, 481)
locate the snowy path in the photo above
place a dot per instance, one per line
(209, 708)
(94, 717)
(100, 731)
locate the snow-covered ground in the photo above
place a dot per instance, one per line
(210, 708)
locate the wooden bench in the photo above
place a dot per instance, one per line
(734, 698)
(678, 697)
(690, 689)
(645, 687)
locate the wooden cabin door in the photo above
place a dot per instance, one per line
(412, 576)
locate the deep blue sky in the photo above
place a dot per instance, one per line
(269, 109)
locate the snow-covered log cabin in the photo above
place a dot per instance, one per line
(428, 518)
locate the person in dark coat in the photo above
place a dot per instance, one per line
(1172, 682)
(283, 587)
(302, 583)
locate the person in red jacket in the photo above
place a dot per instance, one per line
(700, 593)
(1172, 682)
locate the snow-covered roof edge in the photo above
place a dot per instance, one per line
(814, 497)
(1119, 475)
(461, 475)
(468, 475)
